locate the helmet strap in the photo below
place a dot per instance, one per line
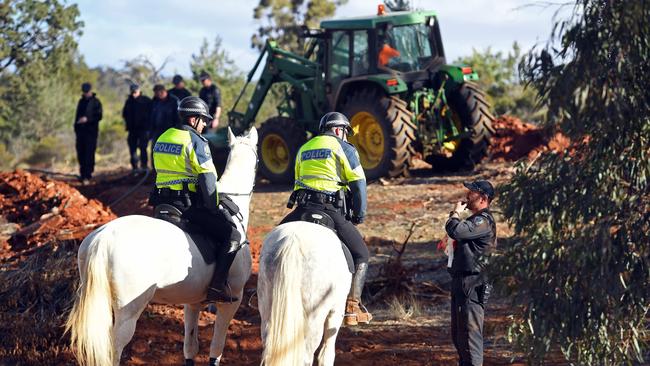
(196, 122)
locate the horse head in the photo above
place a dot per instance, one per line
(238, 178)
(239, 175)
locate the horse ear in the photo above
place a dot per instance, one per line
(231, 137)
(252, 135)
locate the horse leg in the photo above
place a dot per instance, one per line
(191, 341)
(225, 313)
(126, 318)
(331, 329)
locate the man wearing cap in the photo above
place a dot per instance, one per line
(164, 112)
(136, 114)
(86, 129)
(179, 90)
(475, 238)
(211, 95)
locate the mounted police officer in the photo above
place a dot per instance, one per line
(328, 167)
(475, 238)
(187, 179)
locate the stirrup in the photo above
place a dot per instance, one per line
(219, 295)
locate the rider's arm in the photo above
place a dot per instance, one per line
(207, 174)
(356, 180)
(359, 198)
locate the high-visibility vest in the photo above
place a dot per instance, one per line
(327, 164)
(180, 155)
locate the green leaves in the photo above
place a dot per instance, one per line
(33, 29)
(583, 216)
(498, 76)
(39, 77)
(282, 20)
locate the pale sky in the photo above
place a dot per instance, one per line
(118, 30)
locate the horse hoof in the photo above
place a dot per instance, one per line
(213, 362)
(189, 362)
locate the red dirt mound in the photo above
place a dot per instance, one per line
(36, 211)
(515, 139)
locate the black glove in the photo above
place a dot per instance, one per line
(356, 220)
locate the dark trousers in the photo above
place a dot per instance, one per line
(467, 313)
(138, 140)
(86, 145)
(347, 232)
(219, 226)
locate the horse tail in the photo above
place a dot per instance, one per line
(285, 340)
(91, 321)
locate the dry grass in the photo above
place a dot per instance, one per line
(405, 307)
(35, 297)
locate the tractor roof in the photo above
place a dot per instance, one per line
(366, 22)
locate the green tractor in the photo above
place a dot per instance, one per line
(388, 74)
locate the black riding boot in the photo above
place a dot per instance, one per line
(355, 312)
(219, 289)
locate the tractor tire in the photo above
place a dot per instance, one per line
(384, 132)
(470, 105)
(280, 139)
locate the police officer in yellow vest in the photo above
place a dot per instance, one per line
(326, 165)
(187, 179)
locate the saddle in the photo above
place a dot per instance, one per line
(321, 217)
(173, 215)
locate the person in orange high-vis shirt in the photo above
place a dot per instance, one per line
(386, 53)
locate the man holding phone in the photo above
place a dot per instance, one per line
(476, 237)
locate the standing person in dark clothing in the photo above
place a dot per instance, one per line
(211, 95)
(475, 238)
(86, 128)
(164, 112)
(179, 90)
(137, 116)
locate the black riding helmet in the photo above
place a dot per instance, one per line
(193, 106)
(335, 119)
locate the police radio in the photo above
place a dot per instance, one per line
(292, 200)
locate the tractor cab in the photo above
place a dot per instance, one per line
(404, 44)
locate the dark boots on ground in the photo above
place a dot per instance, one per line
(355, 312)
(219, 289)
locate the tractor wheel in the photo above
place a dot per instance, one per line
(470, 110)
(280, 140)
(383, 130)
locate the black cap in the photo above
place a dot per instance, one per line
(482, 187)
(204, 75)
(177, 79)
(158, 87)
(134, 87)
(85, 87)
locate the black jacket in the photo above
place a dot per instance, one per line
(164, 113)
(212, 96)
(137, 113)
(179, 93)
(476, 237)
(91, 108)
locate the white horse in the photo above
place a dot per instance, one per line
(302, 287)
(134, 260)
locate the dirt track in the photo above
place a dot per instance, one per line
(395, 336)
(410, 306)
